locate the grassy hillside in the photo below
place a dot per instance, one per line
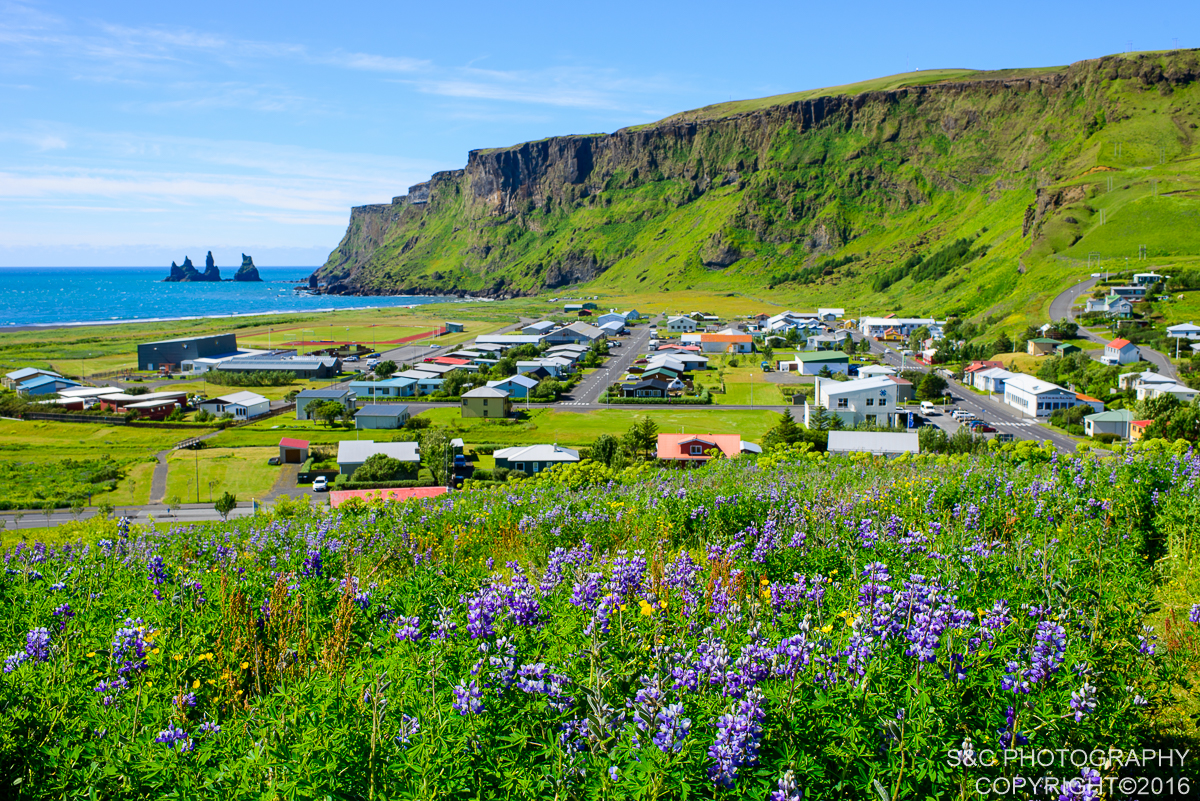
(832, 196)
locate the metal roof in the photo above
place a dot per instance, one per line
(873, 442)
(383, 410)
(355, 451)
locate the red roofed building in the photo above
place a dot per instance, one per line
(1137, 429)
(448, 360)
(293, 451)
(1121, 351)
(696, 447)
(904, 389)
(338, 497)
(982, 365)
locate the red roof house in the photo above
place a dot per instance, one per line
(983, 365)
(696, 447)
(338, 497)
(293, 451)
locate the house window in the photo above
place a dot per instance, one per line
(697, 450)
(521, 466)
(870, 401)
(843, 403)
(485, 412)
(464, 402)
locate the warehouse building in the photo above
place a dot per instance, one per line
(171, 353)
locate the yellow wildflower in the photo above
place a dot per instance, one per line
(196, 684)
(245, 665)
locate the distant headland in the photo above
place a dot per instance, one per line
(189, 273)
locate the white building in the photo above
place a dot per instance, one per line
(872, 370)
(1121, 351)
(681, 325)
(538, 329)
(1184, 331)
(870, 400)
(1128, 381)
(877, 327)
(1182, 393)
(1036, 398)
(881, 443)
(352, 453)
(992, 379)
(242, 405)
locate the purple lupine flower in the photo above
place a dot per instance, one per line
(210, 729)
(468, 698)
(787, 788)
(64, 612)
(37, 649)
(673, 728)
(172, 735)
(1194, 615)
(736, 745)
(129, 647)
(312, 564)
(409, 628)
(614, 773)
(1083, 701)
(187, 700)
(443, 626)
(1085, 788)
(409, 727)
(14, 661)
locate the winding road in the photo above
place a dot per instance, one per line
(1063, 308)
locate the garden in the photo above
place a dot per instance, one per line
(796, 625)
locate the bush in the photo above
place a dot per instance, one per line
(250, 378)
(1106, 439)
(381, 467)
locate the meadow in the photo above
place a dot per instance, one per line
(752, 629)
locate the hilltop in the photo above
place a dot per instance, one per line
(938, 191)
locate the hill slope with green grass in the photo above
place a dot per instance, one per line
(939, 191)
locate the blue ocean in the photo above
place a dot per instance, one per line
(65, 295)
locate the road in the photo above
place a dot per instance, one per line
(588, 390)
(143, 515)
(991, 410)
(1063, 307)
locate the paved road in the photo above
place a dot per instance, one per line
(143, 515)
(991, 410)
(620, 358)
(1063, 306)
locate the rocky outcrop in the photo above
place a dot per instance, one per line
(188, 273)
(247, 272)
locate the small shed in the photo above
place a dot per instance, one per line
(293, 451)
(455, 328)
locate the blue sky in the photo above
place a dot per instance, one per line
(135, 132)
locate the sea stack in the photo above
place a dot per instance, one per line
(187, 273)
(247, 272)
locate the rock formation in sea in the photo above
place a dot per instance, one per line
(247, 272)
(188, 273)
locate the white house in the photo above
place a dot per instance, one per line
(1184, 331)
(1145, 378)
(1113, 306)
(681, 325)
(576, 332)
(685, 361)
(553, 366)
(1036, 398)
(610, 317)
(1121, 351)
(242, 405)
(1116, 422)
(878, 327)
(352, 453)
(1182, 393)
(612, 328)
(345, 397)
(992, 379)
(881, 443)
(532, 459)
(1146, 279)
(517, 386)
(829, 315)
(870, 400)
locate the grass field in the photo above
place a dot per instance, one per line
(49, 441)
(578, 429)
(134, 488)
(242, 471)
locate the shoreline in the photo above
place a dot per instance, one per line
(138, 321)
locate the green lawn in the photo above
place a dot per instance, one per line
(134, 489)
(579, 429)
(242, 471)
(268, 432)
(39, 440)
(743, 385)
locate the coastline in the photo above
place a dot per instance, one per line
(135, 321)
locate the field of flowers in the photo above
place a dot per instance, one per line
(799, 625)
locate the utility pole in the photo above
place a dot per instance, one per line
(197, 451)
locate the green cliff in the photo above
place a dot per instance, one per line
(933, 191)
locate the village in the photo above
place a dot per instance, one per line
(871, 384)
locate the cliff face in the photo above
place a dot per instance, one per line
(759, 196)
(247, 272)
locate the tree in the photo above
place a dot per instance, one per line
(643, 436)
(546, 389)
(785, 432)
(385, 369)
(932, 387)
(77, 507)
(605, 449)
(768, 353)
(864, 345)
(48, 509)
(918, 336)
(435, 453)
(819, 419)
(792, 337)
(329, 411)
(225, 504)
(312, 408)
(848, 346)
(454, 381)
(104, 510)
(379, 467)
(173, 505)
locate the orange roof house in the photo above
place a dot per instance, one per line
(697, 447)
(1137, 429)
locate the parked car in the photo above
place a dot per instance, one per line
(460, 461)
(350, 359)
(320, 484)
(928, 408)
(984, 428)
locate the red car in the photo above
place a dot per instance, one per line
(983, 428)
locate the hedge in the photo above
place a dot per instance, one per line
(369, 485)
(703, 401)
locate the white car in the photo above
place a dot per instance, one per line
(320, 484)
(350, 359)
